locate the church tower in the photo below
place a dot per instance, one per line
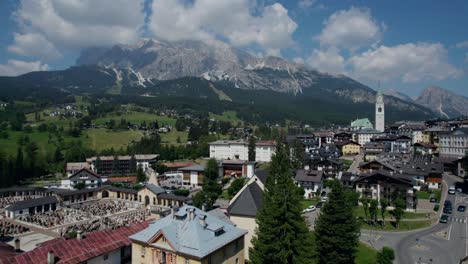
(379, 113)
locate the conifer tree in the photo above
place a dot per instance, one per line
(282, 235)
(336, 230)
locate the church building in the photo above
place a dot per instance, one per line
(379, 113)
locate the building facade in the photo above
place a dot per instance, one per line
(380, 113)
(454, 143)
(239, 150)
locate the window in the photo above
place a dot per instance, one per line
(106, 256)
(143, 251)
(164, 239)
(237, 260)
(187, 261)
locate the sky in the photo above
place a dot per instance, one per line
(406, 45)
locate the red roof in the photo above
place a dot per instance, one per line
(122, 179)
(77, 251)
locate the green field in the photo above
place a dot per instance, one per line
(366, 254)
(404, 225)
(100, 139)
(307, 203)
(359, 212)
(230, 116)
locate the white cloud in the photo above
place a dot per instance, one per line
(17, 67)
(299, 60)
(350, 29)
(33, 45)
(409, 62)
(327, 61)
(306, 3)
(233, 20)
(462, 45)
(74, 24)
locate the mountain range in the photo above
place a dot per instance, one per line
(229, 77)
(443, 102)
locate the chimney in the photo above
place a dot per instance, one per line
(50, 257)
(203, 207)
(172, 211)
(17, 245)
(202, 220)
(191, 213)
(79, 235)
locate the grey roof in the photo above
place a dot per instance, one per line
(84, 172)
(220, 214)
(228, 142)
(119, 189)
(197, 167)
(31, 203)
(248, 202)
(174, 197)
(22, 189)
(63, 192)
(155, 189)
(308, 176)
(188, 235)
(262, 175)
(368, 131)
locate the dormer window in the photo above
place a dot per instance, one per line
(219, 232)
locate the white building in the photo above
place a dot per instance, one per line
(239, 150)
(379, 113)
(310, 181)
(365, 135)
(454, 143)
(89, 178)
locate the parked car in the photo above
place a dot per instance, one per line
(447, 210)
(309, 209)
(461, 208)
(432, 198)
(324, 199)
(443, 219)
(319, 205)
(451, 190)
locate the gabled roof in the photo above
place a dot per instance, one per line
(190, 232)
(197, 167)
(248, 202)
(154, 189)
(309, 176)
(84, 172)
(79, 251)
(31, 203)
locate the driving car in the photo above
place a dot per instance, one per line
(451, 190)
(443, 219)
(461, 208)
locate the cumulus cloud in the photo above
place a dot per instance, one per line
(328, 60)
(462, 45)
(410, 62)
(48, 25)
(306, 3)
(350, 29)
(235, 21)
(17, 67)
(33, 45)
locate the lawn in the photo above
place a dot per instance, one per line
(9, 146)
(99, 139)
(359, 212)
(404, 225)
(307, 203)
(230, 116)
(171, 137)
(366, 254)
(427, 194)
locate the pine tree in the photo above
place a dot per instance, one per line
(373, 208)
(383, 209)
(337, 230)
(133, 164)
(211, 188)
(141, 176)
(282, 235)
(297, 154)
(19, 164)
(252, 145)
(385, 256)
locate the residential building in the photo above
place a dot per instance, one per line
(382, 184)
(243, 207)
(106, 246)
(121, 165)
(365, 135)
(153, 196)
(310, 181)
(193, 175)
(238, 150)
(237, 168)
(454, 143)
(372, 149)
(83, 176)
(351, 148)
(189, 235)
(74, 167)
(423, 148)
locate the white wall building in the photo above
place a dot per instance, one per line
(365, 135)
(239, 150)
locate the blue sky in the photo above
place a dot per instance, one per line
(407, 45)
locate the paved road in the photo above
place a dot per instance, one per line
(441, 243)
(355, 165)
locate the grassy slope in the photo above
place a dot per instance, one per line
(366, 254)
(137, 117)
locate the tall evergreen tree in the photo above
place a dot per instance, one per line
(336, 230)
(133, 164)
(252, 145)
(297, 159)
(282, 235)
(141, 176)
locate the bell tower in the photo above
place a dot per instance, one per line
(379, 112)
